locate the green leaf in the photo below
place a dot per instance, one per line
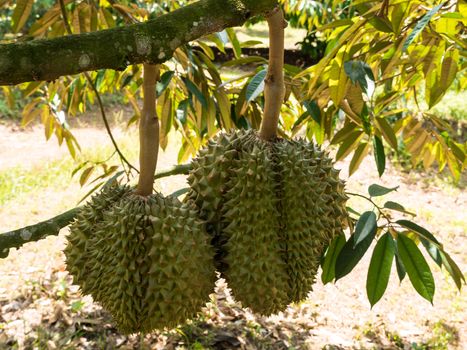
(377, 190)
(444, 78)
(337, 78)
(164, 82)
(245, 60)
(359, 155)
(350, 255)
(353, 211)
(235, 43)
(387, 131)
(380, 157)
(335, 24)
(182, 111)
(329, 263)
(453, 269)
(180, 192)
(341, 135)
(256, 85)
(416, 266)
(99, 79)
(419, 230)
(359, 71)
(432, 250)
(381, 24)
(21, 14)
(366, 224)
(86, 174)
(398, 207)
(195, 91)
(420, 26)
(350, 142)
(398, 15)
(313, 110)
(380, 268)
(400, 267)
(449, 68)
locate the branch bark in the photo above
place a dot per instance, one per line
(41, 230)
(151, 42)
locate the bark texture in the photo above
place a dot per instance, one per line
(151, 42)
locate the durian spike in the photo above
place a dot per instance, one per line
(148, 131)
(274, 90)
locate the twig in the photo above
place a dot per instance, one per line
(372, 202)
(182, 169)
(99, 100)
(106, 124)
(36, 232)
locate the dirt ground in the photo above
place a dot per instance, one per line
(41, 309)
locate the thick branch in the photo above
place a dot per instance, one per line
(32, 233)
(274, 89)
(151, 42)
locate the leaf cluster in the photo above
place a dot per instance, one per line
(396, 244)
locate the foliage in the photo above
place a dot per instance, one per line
(379, 57)
(396, 244)
(391, 53)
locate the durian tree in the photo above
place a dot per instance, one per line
(264, 209)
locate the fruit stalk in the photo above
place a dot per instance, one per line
(274, 89)
(148, 131)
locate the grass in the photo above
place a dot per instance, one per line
(452, 106)
(17, 182)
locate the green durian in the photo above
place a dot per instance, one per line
(147, 260)
(271, 209)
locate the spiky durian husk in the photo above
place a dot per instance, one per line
(85, 225)
(257, 272)
(149, 262)
(311, 204)
(208, 179)
(305, 200)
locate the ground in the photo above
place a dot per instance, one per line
(41, 309)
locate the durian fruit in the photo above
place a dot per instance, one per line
(83, 228)
(147, 260)
(271, 208)
(144, 257)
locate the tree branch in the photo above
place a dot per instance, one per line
(36, 232)
(16, 238)
(151, 42)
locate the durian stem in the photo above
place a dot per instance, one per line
(274, 90)
(148, 131)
